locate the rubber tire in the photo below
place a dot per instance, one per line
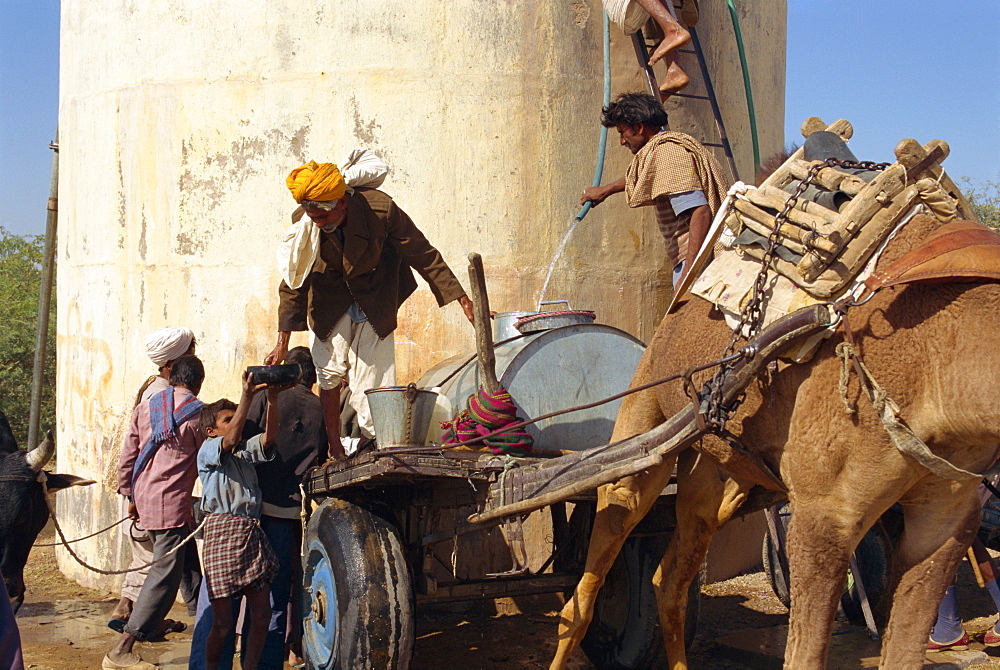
(625, 632)
(771, 561)
(358, 608)
(874, 557)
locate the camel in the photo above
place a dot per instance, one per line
(935, 348)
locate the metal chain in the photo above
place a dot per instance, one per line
(752, 318)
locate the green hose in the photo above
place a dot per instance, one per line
(746, 83)
(603, 145)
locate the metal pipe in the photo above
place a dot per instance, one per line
(44, 297)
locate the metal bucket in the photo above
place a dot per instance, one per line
(503, 325)
(401, 414)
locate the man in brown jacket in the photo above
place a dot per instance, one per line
(357, 282)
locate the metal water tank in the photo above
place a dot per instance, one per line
(551, 370)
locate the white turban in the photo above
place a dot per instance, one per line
(168, 344)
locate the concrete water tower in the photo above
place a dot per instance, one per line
(179, 121)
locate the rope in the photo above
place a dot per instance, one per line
(904, 439)
(509, 463)
(45, 490)
(845, 352)
(85, 537)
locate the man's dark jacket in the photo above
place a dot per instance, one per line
(372, 267)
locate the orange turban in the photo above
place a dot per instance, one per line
(316, 181)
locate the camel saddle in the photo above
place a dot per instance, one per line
(960, 251)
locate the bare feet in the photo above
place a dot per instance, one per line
(675, 80)
(674, 36)
(123, 610)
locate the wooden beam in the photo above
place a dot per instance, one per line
(484, 337)
(910, 153)
(799, 240)
(841, 127)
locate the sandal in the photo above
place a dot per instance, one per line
(172, 626)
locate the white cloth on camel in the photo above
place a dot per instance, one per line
(298, 251)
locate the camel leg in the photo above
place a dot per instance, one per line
(620, 506)
(823, 533)
(704, 502)
(939, 529)
(613, 522)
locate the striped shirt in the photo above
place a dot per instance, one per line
(673, 164)
(673, 217)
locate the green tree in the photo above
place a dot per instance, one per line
(20, 278)
(985, 200)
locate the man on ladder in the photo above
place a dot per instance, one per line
(632, 15)
(671, 171)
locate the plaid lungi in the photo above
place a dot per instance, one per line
(237, 555)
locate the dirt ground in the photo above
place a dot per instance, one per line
(742, 625)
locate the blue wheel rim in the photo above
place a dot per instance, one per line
(320, 621)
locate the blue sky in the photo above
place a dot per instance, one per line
(895, 69)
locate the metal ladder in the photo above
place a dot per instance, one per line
(642, 54)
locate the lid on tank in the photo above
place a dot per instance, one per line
(540, 320)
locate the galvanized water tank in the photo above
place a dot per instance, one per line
(551, 370)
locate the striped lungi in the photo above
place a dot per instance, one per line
(236, 556)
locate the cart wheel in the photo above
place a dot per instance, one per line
(625, 631)
(874, 556)
(772, 561)
(357, 598)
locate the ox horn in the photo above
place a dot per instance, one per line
(40, 455)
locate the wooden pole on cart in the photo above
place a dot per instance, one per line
(484, 338)
(974, 562)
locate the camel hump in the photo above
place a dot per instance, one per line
(960, 251)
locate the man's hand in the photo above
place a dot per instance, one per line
(133, 513)
(595, 195)
(470, 312)
(277, 355)
(598, 194)
(250, 389)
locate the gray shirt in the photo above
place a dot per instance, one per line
(229, 481)
(682, 202)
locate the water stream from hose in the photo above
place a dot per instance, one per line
(555, 257)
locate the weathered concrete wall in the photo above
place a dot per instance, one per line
(179, 121)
